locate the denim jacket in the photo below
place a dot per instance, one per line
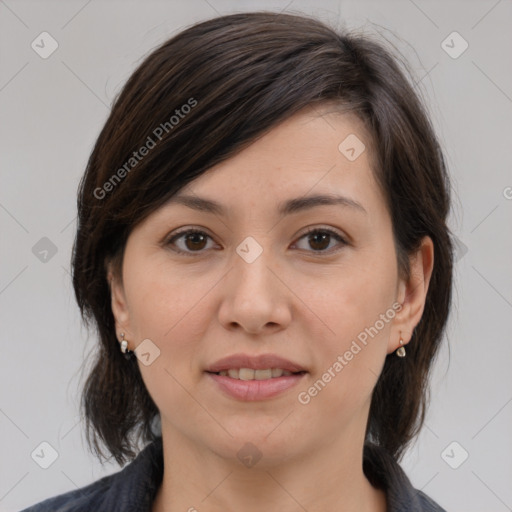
(133, 489)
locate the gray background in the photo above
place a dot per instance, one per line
(53, 109)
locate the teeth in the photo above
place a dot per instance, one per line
(250, 374)
(245, 374)
(262, 374)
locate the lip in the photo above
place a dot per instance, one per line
(252, 390)
(260, 362)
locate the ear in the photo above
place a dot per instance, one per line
(119, 304)
(412, 294)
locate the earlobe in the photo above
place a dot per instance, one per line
(118, 304)
(412, 294)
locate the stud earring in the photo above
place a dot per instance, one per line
(400, 351)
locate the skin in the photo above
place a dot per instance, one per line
(300, 299)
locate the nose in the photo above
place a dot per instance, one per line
(255, 297)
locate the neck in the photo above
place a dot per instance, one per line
(197, 480)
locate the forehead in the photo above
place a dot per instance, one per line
(316, 151)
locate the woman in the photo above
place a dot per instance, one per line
(263, 249)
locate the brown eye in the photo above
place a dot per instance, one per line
(190, 241)
(320, 239)
(195, 241)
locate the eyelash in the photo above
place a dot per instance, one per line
(310, 231)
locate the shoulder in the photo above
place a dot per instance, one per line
(384, 472)
(78, 500)
(427, 503)
(132, 488)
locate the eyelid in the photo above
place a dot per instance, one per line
(342, 239)
(183, 231)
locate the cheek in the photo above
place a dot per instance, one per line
(169, 309)
(355, 295)
(350, 360)
(172, 310)
(161, 297)
(356, 309)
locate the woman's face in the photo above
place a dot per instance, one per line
(254, 283)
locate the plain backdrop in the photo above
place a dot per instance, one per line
(51, 112)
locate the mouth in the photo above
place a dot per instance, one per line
(254, 389)
(251, 378)
(244, 364)
(250, 374)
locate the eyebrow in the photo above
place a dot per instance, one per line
(286, 208)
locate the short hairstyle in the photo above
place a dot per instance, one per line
(199, 99)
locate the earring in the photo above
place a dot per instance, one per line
(400, 351)
(124, 347)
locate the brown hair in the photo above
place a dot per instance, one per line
(239, 75)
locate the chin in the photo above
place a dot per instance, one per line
(252, 445)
